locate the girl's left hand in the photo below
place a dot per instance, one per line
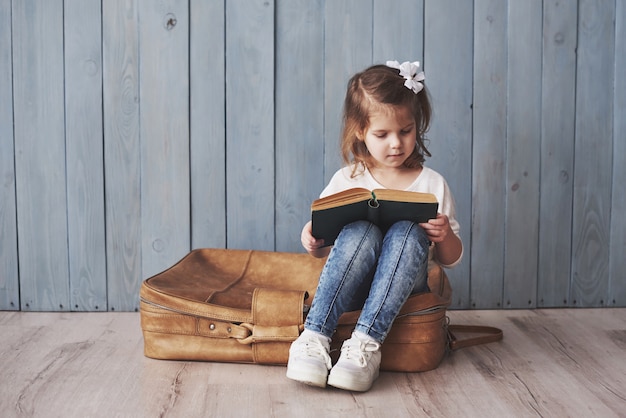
(438, 228)
(448, 249)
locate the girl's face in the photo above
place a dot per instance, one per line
(390, 137)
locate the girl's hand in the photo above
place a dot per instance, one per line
(438, 228)
(314, 246)
(448, 246)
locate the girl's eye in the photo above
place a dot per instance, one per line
(381, 135)
(406, 132)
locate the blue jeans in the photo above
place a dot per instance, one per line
(372, 271)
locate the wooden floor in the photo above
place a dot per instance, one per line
(551, 363)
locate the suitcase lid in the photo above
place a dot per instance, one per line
(220, 283)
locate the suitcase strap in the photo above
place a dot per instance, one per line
(277, 316)
(278, 319)
(487, 335)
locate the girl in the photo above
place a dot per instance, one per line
(386, 114)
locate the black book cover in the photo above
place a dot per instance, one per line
(328, 222)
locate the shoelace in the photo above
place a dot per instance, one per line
(359, 353)
(313, 347)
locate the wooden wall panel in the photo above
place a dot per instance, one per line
(617, 284)
(40, 169)
(593, 153)
(398, 31)
(449, 27)
(164, 133)
(523, 146)
(136, 130)
(120, 51)
(250, 124)
(558, 114)
(84, 155)
(207, 123)
(489, 153)
(299, 101)
(347, 49)
(9, 275)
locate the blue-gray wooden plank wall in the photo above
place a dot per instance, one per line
(132, 131)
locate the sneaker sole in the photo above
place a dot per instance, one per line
(307, 378)
(347, 382)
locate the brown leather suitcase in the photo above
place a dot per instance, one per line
(248, 306)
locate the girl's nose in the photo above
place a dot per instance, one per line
(395, 141)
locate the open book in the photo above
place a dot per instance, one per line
(383, 207)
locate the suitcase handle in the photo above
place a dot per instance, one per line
(264, 334)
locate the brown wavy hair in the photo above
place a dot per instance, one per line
(377, 88)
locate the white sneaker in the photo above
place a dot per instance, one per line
(309, 359)
(358, 365)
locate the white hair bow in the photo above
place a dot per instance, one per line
(409, 70)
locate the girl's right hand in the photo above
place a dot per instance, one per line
(314, 246)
